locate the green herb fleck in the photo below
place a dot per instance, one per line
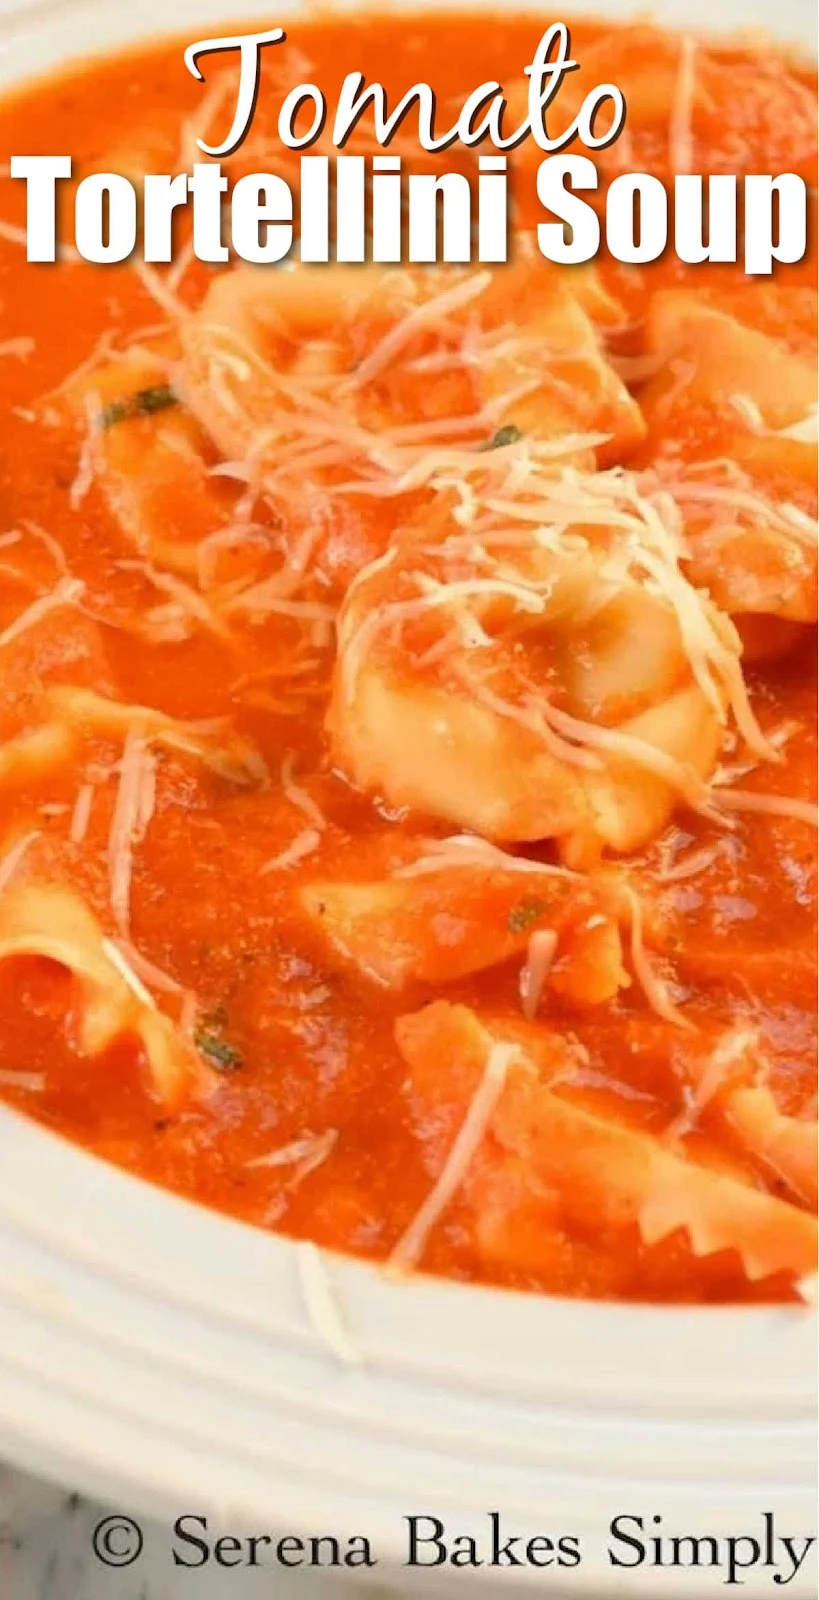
(508, 434)
(142, 404)
(215, 1017)
(523, 915)
(147, 401)
(110, 415)
(217, 1051)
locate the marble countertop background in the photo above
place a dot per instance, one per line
(46, 1553)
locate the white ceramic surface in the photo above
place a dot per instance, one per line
(163, 1357)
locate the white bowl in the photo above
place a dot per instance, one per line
(163, 1358)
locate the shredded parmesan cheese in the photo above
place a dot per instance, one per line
(33, 1082)
(412, 1243)
(299, 797)
(132, 813)
(182, 593)
(147, 970)
(88, 462)
(806, 1289)
(535, 973)
(806, 430)
(303, 845)
(605, 533)
(731, 1052)
(421, 316)
(321, 1306)
(188, 1014)
(680, 137)
(653, 987)
(65, 593)
(127, 974)
(304, 1155)
(21, 348)
(159, 291)
(81, 815)
(770, 805)
(470, 850)
(13, 857)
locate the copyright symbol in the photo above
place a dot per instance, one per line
(117, 1541)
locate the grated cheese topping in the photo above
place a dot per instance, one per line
(680, 135)
(133, 809)
(806, 1288)
(470, 850)
(33, 1082)
(20, 348)
(81, 814)
(806, 430)
(771, 805)
(534, 974)
(631, 537)
(147, 971)
(13, 856)
(421, 316)
(653, 986)
(66, 592)
(126, 972)
(299, 797)
(321, 1304)
(412, 1243)
(304, 1155)
(304, 844)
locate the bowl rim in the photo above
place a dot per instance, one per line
(115, 1332)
